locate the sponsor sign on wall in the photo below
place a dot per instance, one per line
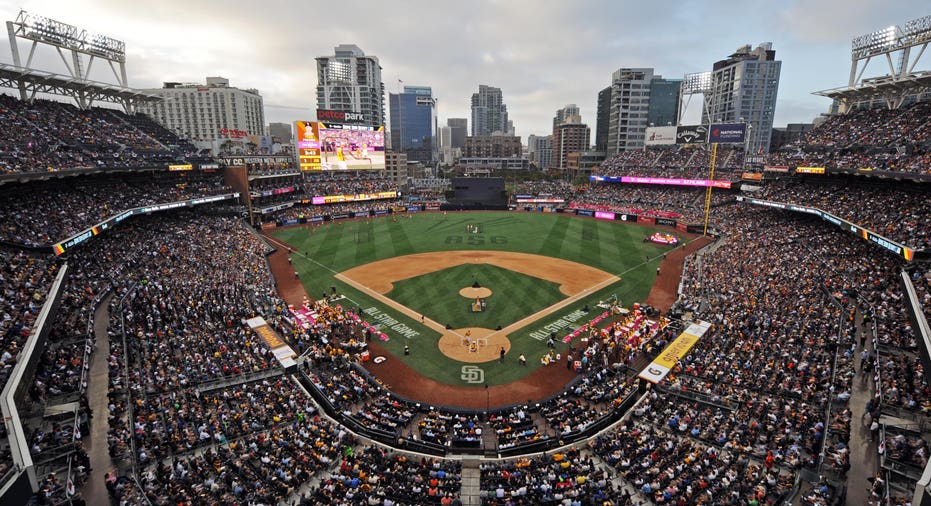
(658, 136)
(728, 133)
(691, 134)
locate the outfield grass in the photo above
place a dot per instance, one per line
(514, 295)
(615, 247)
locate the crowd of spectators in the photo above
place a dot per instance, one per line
(895, 212)
(672, 202)
(870, 138)
(44, 135)
(372, 475)
(52, 211)
(565, 477)
(688, 162)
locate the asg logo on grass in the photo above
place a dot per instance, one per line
(472, 374)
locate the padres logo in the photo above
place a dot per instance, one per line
(472, 374)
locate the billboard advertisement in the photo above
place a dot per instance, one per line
(662, 180)
(728, 133)
(332, 146)
(659, 136)
(342, 117)
(691, 134)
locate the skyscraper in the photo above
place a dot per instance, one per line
(489, 113)
(349, 81)
(459, 130)
(633, 104)
(563, 115)
(413, 123)
(743, 89)
(601, 121)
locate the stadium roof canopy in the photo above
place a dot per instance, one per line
(34, 81)
(901, 48)
(891, 89)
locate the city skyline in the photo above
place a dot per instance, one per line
(541, 56)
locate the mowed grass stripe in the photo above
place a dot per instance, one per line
(400, 243)
(553, 243)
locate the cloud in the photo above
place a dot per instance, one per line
(542, 55)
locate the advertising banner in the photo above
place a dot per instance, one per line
(752, 176)
(665, 222)
(735, 133)
(809, 170)
(604, 215)
(660, 136)
(646, 220)
(663, 180)
(584, 212)
(691, 134)
(660, 367)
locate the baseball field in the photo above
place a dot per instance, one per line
(458, 289)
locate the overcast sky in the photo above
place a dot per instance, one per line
(543, 54)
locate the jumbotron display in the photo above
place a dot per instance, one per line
(328, 146)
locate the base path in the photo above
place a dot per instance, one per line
(576, 280)
(572, 277)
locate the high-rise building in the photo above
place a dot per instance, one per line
(743, 89)
(349, 81)
(633, 104)
(459, 130)
(492, 146)
(489, 112)
(563, 115)
(572, 136)
(413, 123)
(281, 131)
(396, 167)
(207, 112)
(601, 121)
(543, 151)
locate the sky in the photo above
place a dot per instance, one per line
(543, 54)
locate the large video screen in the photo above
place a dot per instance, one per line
(329, 146)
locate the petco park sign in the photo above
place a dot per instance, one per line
(348, 117)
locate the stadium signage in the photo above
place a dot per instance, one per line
(390, 322)
(662, 180)
(566, 321)
(539, 201)
(660, 367)
(233, 133)
(340, 116)
(752, 176)
(809, 170)
(692, 134)
(666, 222)
(775, 168)
(735, 133)
(604, 215)
(659, 136)
(185, 166)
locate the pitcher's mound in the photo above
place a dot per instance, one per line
(473, 344)
(472, 293)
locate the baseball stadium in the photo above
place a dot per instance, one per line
(699, 320)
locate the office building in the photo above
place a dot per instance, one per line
(489, 113)
(208, 112)
(350, 81)
(281, 132)
(413, 123)
(601, 121)
(459, 130)
(492, 146)
(632, 105)
(563, 115)
(743, 89)
(570, 137)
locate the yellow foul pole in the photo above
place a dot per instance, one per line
(714, 155)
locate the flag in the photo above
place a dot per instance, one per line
(70, 487)
(761, 150)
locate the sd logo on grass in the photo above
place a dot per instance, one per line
(472, 374)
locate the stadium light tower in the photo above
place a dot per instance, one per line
(64, 37)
